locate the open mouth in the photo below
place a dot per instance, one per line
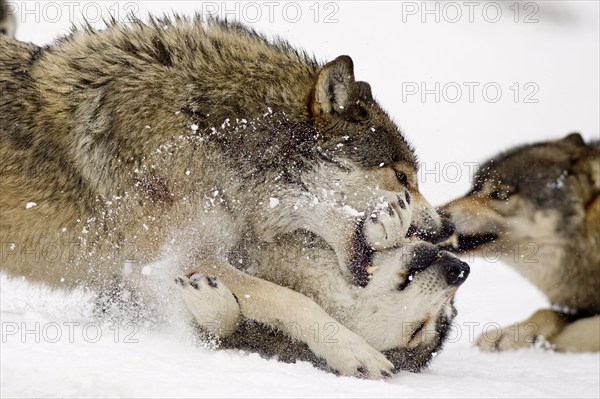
(362, 260)
(464, 242)
(412, 273)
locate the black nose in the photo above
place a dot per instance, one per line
(448, 228)
(456, 270)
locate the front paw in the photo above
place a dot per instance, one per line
(387, 225)
(512, 337)
(350, 355)
(213, 305)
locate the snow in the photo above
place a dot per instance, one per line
(397, 53)
(351, 211)
(273, 202)
(30, 205)
(103, 360)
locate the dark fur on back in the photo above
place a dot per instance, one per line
(283, 71)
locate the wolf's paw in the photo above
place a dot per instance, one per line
(515, 336)
(387, 225)
(350, 355)
(213, 305)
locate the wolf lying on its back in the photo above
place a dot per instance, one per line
(194, 137)
(538, 207)
(405, 311)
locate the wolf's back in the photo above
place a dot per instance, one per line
(78, 116)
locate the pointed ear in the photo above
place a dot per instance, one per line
(364, 91)
(335, 88)
(575, 139)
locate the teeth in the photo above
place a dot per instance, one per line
(371, 269)
(413, 239)
(453, 241)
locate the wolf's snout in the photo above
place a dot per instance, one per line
(423, 256)
(455, 269)
(445, 232)
(448, 228)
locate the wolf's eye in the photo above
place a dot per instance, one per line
(401, 176)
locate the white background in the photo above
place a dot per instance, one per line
(395, 46)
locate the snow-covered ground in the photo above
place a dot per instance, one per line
(94, 360)
(401, 50)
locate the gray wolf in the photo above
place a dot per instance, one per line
(191, 137)
(8, 21)
(537, 208)
(405, 311)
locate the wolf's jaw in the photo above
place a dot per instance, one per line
(361, 261)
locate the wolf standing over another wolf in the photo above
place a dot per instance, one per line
(538, 207)
(192, 137)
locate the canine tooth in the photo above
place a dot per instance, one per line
(453, 241)
(371, 269)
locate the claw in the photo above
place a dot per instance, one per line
(212, 281)
(371, 269)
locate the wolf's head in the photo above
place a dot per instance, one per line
(359, 192)
(527, 197)
(407, 309)
(359, 132)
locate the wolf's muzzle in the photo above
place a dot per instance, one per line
(442, 235)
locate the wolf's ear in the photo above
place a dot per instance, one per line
(335, 88)
(575, 139)
(363, 90)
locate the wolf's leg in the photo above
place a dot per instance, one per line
(213, 305)
(542, 325)
(582, 335)
(298, 316)
(384, 225)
